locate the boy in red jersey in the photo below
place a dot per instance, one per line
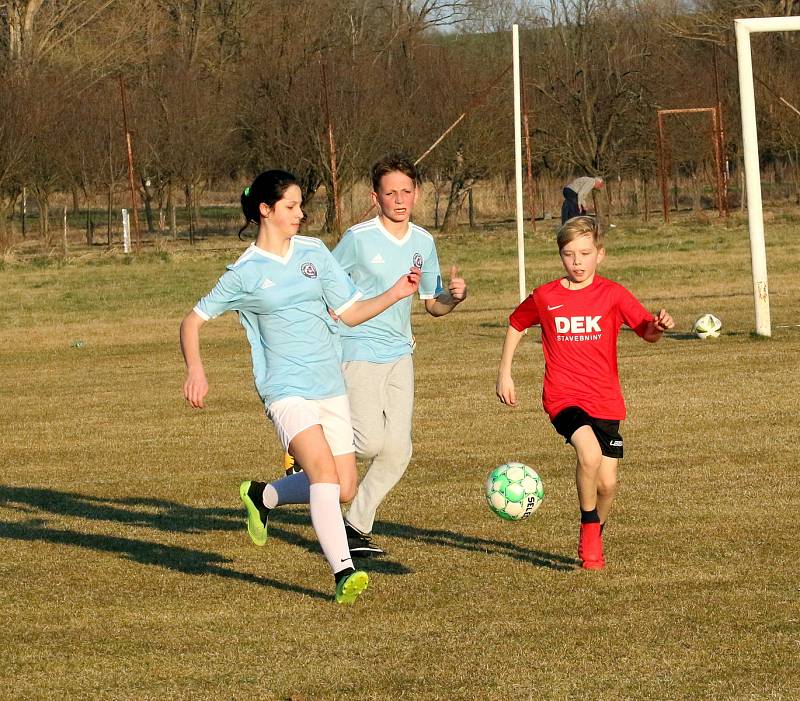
(581, 315)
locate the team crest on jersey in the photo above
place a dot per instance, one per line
(309, 270)
(417, 260)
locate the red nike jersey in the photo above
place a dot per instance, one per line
(579, 339)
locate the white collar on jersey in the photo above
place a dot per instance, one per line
(391, 236)
(279, 259)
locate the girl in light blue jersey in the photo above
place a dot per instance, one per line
(282, 287)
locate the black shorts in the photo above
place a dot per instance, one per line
(572, 418)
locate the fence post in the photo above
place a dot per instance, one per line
(64, 241)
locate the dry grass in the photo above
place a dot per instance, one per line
(126, 572)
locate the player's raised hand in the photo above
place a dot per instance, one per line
(663, 320)
(458, 286)
(504, 388)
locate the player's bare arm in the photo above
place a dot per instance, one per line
(504, 387)
(365, 309)
(195, 387)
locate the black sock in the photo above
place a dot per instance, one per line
(341, 574)
(590, 516)
(256, 494)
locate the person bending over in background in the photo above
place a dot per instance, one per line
(575, 195)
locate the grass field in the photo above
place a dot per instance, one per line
(127, 574)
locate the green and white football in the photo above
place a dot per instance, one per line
(707, 326)
(514, 491)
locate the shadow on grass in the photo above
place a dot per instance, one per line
(677, 336)
(451, 539)
(160, 514)
(179, 559)
(170, 517)
(173, 517)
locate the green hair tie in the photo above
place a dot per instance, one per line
(247, 191)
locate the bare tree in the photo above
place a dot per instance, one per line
(34, 30)
(15, 140)
(591, 71)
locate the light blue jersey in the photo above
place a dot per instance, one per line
(283, 306)
(375, 260)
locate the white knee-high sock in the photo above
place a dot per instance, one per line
(326, 517)
(292, 489)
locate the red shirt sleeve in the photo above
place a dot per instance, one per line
(526, 314)
(633, 312)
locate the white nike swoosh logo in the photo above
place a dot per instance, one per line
(557, 306)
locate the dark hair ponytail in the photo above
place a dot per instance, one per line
(269, 187)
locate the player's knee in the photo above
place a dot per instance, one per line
(589, 460)
(367, 447)
(587, 449)
(397, 453)
(347, 491)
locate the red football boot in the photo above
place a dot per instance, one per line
(590, 547)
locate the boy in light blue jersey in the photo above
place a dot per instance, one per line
(372, 255)
(376, 355)
(282, 288)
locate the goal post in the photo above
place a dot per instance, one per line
(520, 214)
(755, 217)
(664, 159)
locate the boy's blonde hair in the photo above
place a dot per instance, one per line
(579, 226)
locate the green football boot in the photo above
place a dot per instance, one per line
(256, 517)
(350, 587)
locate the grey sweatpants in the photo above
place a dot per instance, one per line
(381, 404)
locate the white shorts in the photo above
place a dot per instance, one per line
(292, 415)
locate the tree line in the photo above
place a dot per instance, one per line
(218, 90)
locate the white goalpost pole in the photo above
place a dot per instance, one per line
(755, 217)
(126, 231)
(518, 164)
